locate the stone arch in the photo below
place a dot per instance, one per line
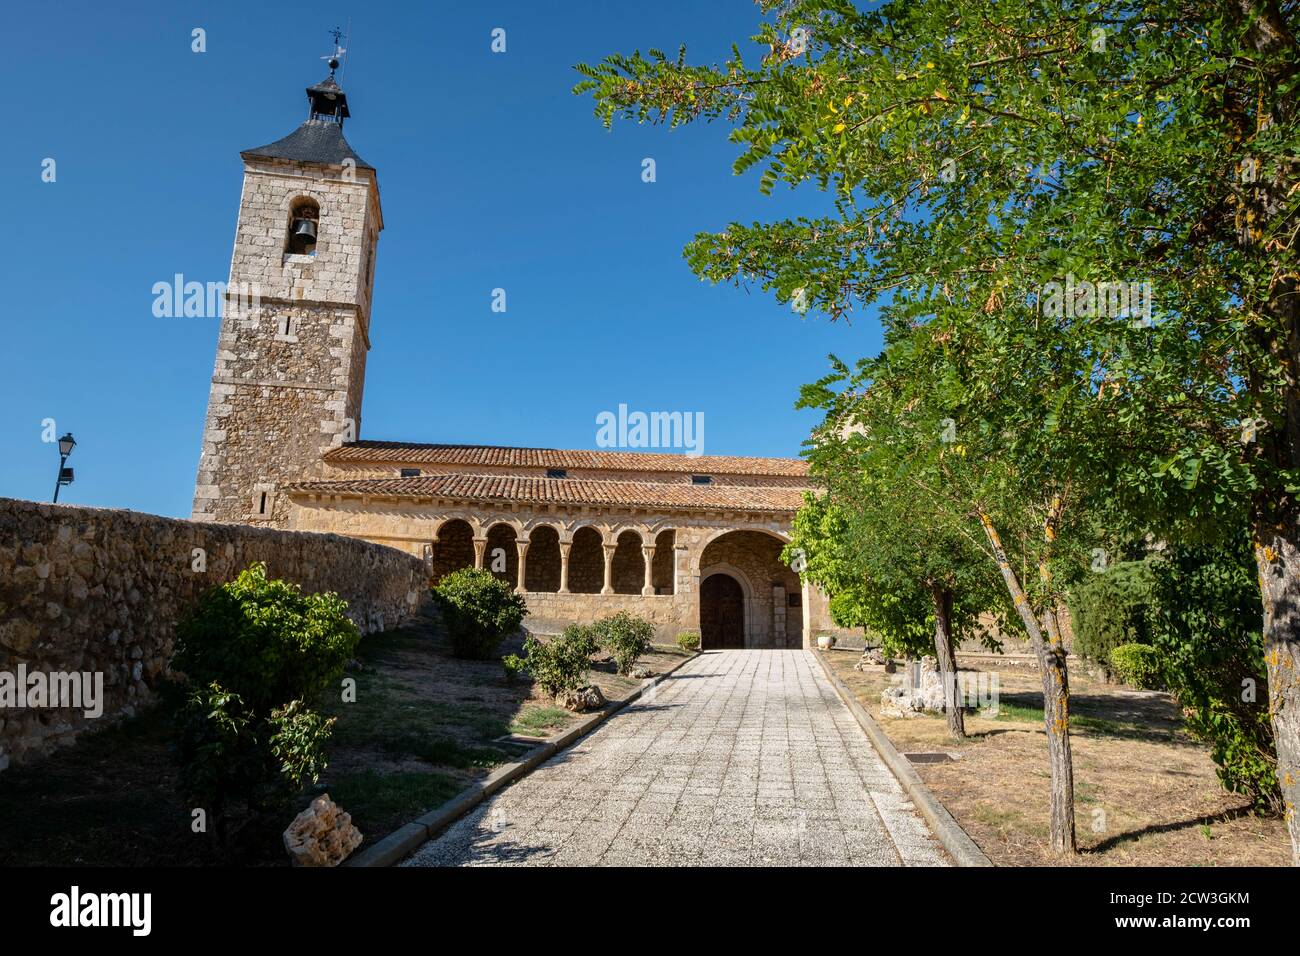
(501, 556)
(304, 214)
(542, 521)
(628, 566)
(587, 560)
(753, 556)
(452, 548)
(781, 536)
(746, 586)
(445, 520)
(542, 568)
(595, 524)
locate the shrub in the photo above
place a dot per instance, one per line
(689, 641)
(233, 760)
(254, 652)
(1208, 628)
(1111, 609)
(513, 665)
(1137, 665)
(625, 636)
(265, 641)
(562, 663)
(479, 611)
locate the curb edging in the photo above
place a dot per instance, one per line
(958, 843)
(406, 839)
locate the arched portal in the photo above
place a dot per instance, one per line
(542, 570)
(628, 565)
(502, 557)
(453, 549)
(771, 590)
(722, 612)
(586, 562)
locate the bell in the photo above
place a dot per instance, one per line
(304, 230)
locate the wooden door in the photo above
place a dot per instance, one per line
(722, 613)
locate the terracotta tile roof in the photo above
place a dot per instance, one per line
(569, 491)
(495, 455)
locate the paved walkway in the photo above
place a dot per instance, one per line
(740, 758)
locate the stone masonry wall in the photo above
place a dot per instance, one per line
(549, 613)
(89, 589)
(290, 365)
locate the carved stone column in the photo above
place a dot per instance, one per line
(648, 555)
(565, 547)
(609, 569)
(523, 561)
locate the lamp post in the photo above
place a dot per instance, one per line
(66, 444)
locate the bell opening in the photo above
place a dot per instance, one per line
(303, 227)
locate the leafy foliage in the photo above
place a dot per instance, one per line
(970, 164)
(625, 636)
(688, 641)
(1137, 665)
(562, 663)
(237, 765)
(1110, 609)
(255, 652)
(265, 641)
(1207, 630)
(514, 666)
(479, 611)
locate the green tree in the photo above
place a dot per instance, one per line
(1125, 166)
(871, 543)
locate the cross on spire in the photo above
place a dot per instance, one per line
(334, 58)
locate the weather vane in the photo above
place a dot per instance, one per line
(333, 58)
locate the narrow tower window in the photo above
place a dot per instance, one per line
(303, 226)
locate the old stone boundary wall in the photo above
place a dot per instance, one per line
(98, 590)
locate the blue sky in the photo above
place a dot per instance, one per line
(492, 175)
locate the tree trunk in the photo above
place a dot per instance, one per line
(1056, 697)
(1276, 517)
(1277, 553)
(943, 653)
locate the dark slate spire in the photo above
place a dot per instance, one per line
(320, 138)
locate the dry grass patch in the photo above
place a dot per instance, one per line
(1146, 793)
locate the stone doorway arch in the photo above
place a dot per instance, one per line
(723, 604)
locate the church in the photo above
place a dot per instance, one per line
(690, 543)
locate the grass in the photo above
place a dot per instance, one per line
(422, 727)
(111, 800)
(382, 802)
(539, 721)
(1146, 793)
(441, 750)
(1020, 713)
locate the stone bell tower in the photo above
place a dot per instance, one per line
(291, 356)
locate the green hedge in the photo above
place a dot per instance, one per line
(1137, 665)
(479, 611)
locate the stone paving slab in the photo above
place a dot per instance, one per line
(739, 758)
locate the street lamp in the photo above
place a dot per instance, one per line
(66, 444)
